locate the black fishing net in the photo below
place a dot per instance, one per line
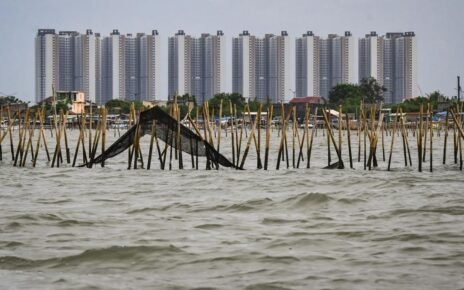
(166, 129)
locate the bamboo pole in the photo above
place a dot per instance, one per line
(294, 128)
(232, 121)
(359, 123)
(268, 135)
(219, 128)
(393, 139)
(431, 137)
(34, 158)
(340, 127)
(419, 142)
(258, 145)
(20, 139)
(331, 135)
(150, 150)
(104, 127)
(250, 138)
(66, 145)
(29, 142)
(303, 138)
(446, 136)
(383, 142)
(313, 131)
(425, 132)
(10, 132)
(179, 139)
(282, 130)
(403, 135)
(348, 128)
(79, 140)
(239, 140)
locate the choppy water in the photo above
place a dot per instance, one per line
(112, 228)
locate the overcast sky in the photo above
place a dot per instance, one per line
(438, 24)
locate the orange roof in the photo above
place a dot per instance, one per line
(306, 100)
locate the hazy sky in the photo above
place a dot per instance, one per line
(438, 24)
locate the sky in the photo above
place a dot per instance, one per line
(438, 24)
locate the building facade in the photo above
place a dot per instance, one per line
(322, 63)
(197, 65)
(307, 68)
(262, 67)
(244, 65)
(87, 58)
(46, 64)
(150, 58)
(392, 60)
(113, 67)
(179, 68)
(280, 68)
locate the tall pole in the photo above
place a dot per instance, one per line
(459, 88)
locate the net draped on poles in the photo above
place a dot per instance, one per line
(166, 130)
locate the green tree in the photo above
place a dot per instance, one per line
(235, 98)
(436, 99)
(371, 90)
(347, 95)
(7, 100)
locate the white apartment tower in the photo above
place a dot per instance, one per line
(87, 74)
(214, 71)
(407, 50)
(197, 66)
(280, 68)
(337, 62)
(46, 64)
(113, 67)
(244, 65)
(371, 57)
(150, 58)
(307, 68)
(392, 60)
(132, 66)
(66, 59)
(179, 68)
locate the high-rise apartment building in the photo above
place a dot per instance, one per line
(197, 65)
(337, 62)
(261, 67)
(66, 59)
(214, 64)
(46, 63)
(87, 59)
(392, 60)
(371, 57)
(179, 68)
(280, 68)
(322, 63)
(113, 67)
(132, 66)
(244, 65)
(150, 58)
(406, 67)
(307, 55)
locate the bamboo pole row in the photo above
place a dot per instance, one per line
(30, 137)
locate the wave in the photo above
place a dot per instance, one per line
(124, 255)
(307, 199)
(209, 226)
(266, 286)
(249, 205)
